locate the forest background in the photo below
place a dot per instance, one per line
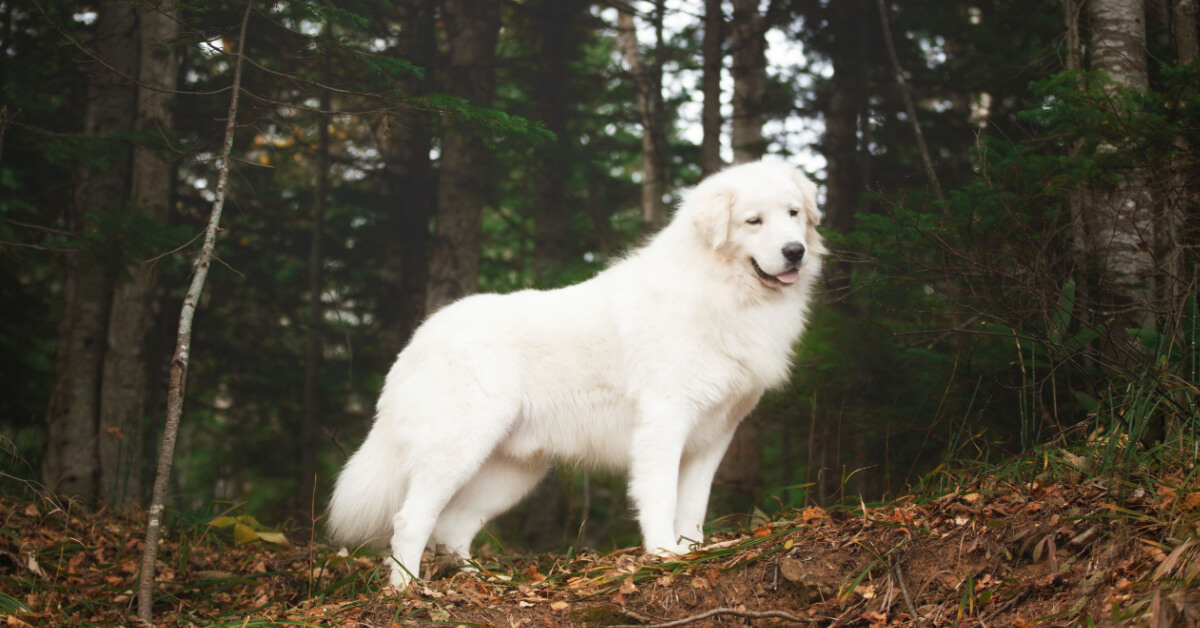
(1007, 185)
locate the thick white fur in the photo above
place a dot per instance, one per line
(646, 368)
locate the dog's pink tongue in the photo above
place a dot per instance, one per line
(791, 276)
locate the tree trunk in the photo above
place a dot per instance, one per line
(840, 143)
(1076, 199)
(410, 180)
(1183, 27)
(555, 24)
(749, 71)
(310, 426)
(740, 472)
(471, 31)
(126, 368)
(71, 465)
(183, 346)
(647, 90)
(1120, 218)
(714, 64)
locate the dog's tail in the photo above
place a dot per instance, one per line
(368, 493)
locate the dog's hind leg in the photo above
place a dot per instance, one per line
(450, 459)
(499, 484)
(432, 487)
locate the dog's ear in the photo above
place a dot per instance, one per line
(711, 210)
(809, 190)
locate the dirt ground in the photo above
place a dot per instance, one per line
(1064, 554)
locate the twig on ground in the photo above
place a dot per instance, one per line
(730, 611)
(912, 609)
(1007, 605)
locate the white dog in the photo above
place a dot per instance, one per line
(646, 368)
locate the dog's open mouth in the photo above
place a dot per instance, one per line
(789, 276)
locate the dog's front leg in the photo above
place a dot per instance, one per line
(655, 453)
(695, 483)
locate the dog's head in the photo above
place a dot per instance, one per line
(762, 215)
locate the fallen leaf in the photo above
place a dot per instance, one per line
(813, 515)
(627, 587)
(277, 538)
(559, 606)
(243, 534)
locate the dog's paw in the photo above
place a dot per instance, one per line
(398, 580)
(673, 551)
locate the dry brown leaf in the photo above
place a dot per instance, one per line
(1169, 563)
(627, 587)
(813, 515)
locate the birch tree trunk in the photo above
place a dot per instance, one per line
(647, 90)
(471, 32)
(71, 465)
(710, 115)
(183, 346)
(126, 370)
(749, 51)
(1120, 218)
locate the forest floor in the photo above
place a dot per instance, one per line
(994, 552)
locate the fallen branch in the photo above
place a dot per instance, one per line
(912, 609)
(716, 612)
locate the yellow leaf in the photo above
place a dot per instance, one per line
(559, 606)
(248, 520)
(222, 522)
(273, 537)
(243, 534)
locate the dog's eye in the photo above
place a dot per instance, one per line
(754, 221)
(793, 212)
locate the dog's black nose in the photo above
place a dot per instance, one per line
(793, 252)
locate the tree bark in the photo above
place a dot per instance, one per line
(126, 368)
(310, 427)
(1183, 27)
(1121, 218)
(71, 465)
(749, 71)
(740, 472)
(410, 179)
(714, 64)
(840, 143)
(647, 90)
(471, 32)
(183, 346)
(1076, 199)
(555, 24)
